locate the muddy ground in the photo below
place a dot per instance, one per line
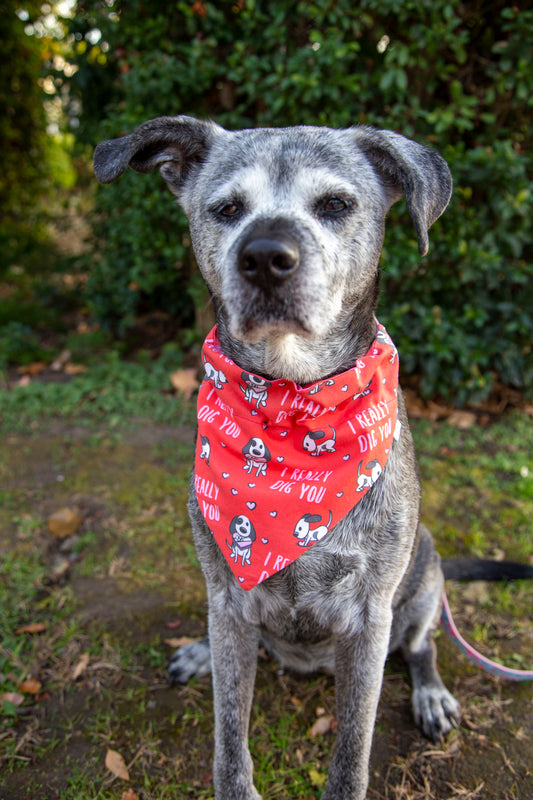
(115, 595)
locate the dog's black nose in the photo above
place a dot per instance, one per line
(266, 261)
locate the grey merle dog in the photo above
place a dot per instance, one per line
(287, 226)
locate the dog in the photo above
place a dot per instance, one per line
(256, 455)
(287, 226)
(216, 375)
(256, 388)
(306, 534)
(315, 447)
(243, 536)
(364, 480)
(206, 449)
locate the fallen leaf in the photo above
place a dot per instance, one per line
(321, 726)
(129, 794)
(199, 8)
(30, 686)
(64, 522)
(33, 627)
(180, 641)
(24, 381)
(59, 362)
(81, 666)
(14, 698)
(317, 778)
(116, 764)
(32, 369)
(185, 381)
(462, 419)
(74, 369)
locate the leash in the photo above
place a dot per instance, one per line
(481, 661)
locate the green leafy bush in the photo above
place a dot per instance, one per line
(24, 174)
(443, 72)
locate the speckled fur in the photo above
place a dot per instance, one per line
(374, 583)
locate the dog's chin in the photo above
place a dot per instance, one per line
(251, 330)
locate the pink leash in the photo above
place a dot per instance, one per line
(472, 654)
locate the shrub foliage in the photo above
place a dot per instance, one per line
(24, 170)
(443, 72)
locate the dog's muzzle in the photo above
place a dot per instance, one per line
(268, 260)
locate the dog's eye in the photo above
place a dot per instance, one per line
(333, 205)
(229, 209)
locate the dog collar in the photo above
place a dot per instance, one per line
(278, 465)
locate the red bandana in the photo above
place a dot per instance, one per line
(278, 465)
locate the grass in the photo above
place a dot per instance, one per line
(132, 584)
(112, 392)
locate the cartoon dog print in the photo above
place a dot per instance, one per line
(319, 386)
(364, 392)
(384, 338)
(365, 481)
(303, 532)
(206, 449)
(257, 456)
(212, 374)
(256, 389)
(312, 445)
(243, 536)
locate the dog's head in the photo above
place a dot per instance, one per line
(287, 224)
(256, 448)
(255, 382)
(301, 529)
(242, 529)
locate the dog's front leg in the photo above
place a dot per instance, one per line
(359, 664)
(234, 659)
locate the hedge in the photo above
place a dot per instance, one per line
(444, 72)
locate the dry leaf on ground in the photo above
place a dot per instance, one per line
(81, 666)
(32, 369)
(179, 641)
(321, 726)
(30, 686)
(74, 369)
(317, 778)
(185, 381)
(33, 627)
(59, 362)
(15, 698)
(64, 522)
(116, 764)
(462, 419)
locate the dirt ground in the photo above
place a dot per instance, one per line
(121, 591)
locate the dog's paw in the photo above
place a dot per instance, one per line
(190, 660)
(436, 711)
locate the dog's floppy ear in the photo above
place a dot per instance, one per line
(173, 144)
(409, 169)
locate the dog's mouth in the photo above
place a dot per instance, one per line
(265, 316)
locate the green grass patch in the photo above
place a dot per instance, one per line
(113, 391)
(477, 486)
